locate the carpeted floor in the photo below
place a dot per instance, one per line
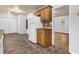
(19, 44)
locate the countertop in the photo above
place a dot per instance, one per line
(49, 28)
(46, 28)
(61, 32)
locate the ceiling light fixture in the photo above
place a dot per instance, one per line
(8, 13)
(16, 9)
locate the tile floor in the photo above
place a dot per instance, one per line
(19, 44)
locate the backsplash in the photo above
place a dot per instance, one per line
(61, 24)
(47, 24)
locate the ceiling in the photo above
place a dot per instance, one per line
(61, 10)
(25, 8)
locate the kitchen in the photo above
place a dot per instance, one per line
(53, 28)
(43, 29)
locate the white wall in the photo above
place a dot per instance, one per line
(74, 30)
(8, 23)
(61, 27)
(22, 24)
(52, 26)
(12, 23)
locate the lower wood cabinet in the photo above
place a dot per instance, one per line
(44, 37)
(62, 41)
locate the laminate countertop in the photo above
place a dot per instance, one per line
(46, 28)
(62, 32)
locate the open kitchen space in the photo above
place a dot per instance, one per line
(34, 29)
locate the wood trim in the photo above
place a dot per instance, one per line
(42, 8)
(62, 33)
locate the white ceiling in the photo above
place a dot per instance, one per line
(26, 8)
(59, 10)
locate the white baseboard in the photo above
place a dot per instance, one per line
(11, 33)
(22, 33)
(73, 52)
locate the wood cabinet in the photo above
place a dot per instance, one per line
(62, 41)
(44, 37)
(38, 13)
(45, 14)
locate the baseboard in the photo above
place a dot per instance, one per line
(22, 33)
(71, 52)
(11, 33)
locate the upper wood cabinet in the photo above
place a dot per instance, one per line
(38, 13)
(45, 14)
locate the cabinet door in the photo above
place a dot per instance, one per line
(61, 41)
(41, 37)
(48, 38)
(65, 41)
(46, 14)
(58, 42)
(38, 37)
(43, 15)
